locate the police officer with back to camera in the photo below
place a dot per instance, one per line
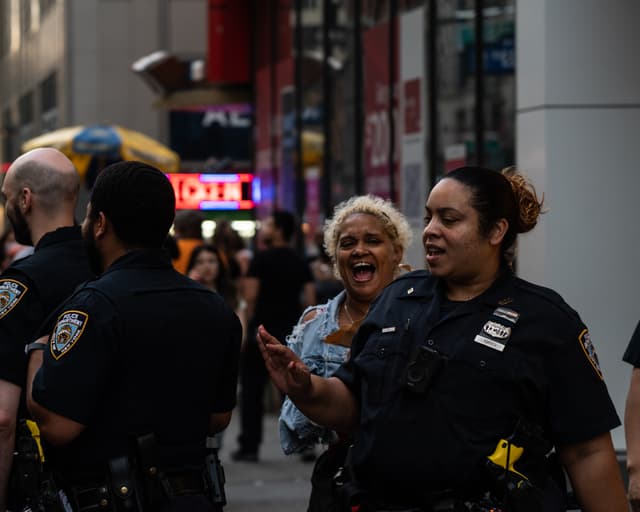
(40, 192)
(140, 364)
(462, 379)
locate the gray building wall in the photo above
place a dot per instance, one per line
(91, 45)
(30, 53)
(578, 120)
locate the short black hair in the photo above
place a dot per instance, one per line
(286, 222)
(188, 224)
(138, 200)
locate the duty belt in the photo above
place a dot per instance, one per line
(99, 496)
(185, 482)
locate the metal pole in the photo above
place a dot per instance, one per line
(273, 19)
(432, 80)
(479, 85)
(357, 99)
(300, 195)
(327, 117)
(393, 10)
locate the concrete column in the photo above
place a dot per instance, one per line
(578, 139)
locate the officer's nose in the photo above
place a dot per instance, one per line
(431, 231)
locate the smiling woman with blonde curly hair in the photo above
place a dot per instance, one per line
(366, 239)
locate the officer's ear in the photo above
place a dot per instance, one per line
(498, 232)
(100, 225)
(26, 196)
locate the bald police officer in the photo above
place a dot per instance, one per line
(40, 192)
(151, 358)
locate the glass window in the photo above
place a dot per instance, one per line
(5, 31)
(25, 17)
(8, 135)
(458, 126)
(499, 89)
(26, 109)
(456, 83)
(45, 5)
(340, 127)
(49, 93)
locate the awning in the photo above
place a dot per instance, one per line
(210, 95)
(180, 84)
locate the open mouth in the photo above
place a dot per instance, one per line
(434, 251)
(363, 272)
(433, 254)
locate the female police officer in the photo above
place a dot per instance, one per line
(461, 380)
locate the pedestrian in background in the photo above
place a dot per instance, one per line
(231, 248)
(188, 235)
(278, 287)
(206, 268)
(462, 378)
(140, 365)
(40, 192)
(366, 239)
(328, 284)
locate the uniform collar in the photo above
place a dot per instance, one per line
(424, 286)
(429, 287)
(142, 258)
(63, 234)
(500, 292)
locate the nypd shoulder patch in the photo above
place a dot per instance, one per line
(11, 292)
(67, 332)
(590, 351)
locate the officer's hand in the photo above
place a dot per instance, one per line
(634, 492)
(290, 375)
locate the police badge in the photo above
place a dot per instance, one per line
(11, 292)
(590, 351)
(67, 332)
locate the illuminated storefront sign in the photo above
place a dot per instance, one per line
(214, 191)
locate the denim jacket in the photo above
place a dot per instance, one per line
(297, 432)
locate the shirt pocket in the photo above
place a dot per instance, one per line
(382, 364)
(482, 381)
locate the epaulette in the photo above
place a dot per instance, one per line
(414, 274)
(548, 295)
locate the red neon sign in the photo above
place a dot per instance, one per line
(212, 191)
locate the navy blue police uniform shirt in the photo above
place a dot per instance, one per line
(516, 351)
(31, 288)
(140, 349)
(632, 354)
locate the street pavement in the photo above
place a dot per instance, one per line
(276, 483)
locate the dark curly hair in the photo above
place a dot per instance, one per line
(501, 195)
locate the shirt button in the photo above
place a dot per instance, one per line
(381, 352)
(483, 363)
(430, 343)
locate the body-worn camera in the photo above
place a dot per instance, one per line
(424, 365)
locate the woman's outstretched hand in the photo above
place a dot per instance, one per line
(287, 371)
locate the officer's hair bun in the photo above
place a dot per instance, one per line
(527, 202)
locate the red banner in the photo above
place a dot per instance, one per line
(377, 126)
(229, 41)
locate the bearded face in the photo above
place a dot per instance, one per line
(91, 248)
(19, 224)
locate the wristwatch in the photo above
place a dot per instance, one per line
(36, 345)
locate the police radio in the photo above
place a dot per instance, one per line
(424, 365)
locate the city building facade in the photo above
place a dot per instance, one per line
(381, 96)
